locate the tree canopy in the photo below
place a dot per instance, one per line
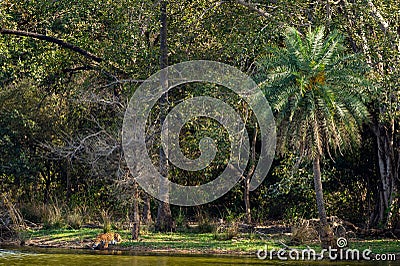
(329, 69)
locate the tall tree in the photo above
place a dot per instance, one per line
(373, 28)
(315, 92)
(135, 229)
(164, 220)
(248, 176)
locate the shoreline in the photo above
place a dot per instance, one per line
(120, 250)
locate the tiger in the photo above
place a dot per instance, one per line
(107, 238)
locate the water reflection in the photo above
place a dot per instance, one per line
(42, 257)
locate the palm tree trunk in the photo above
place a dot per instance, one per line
(326, 233)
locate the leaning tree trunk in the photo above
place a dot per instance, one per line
(247, 198)
(326, 233)
(164, 222)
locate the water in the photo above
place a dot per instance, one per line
(42, 257)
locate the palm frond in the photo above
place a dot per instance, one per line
(316, 40)
(316, 93)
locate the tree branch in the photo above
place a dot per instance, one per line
(375, 12)
(53, 40)
(253, 7)
(208, 9)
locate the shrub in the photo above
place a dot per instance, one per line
(205, 226)
(52, 216)
(106, 219)
(303, 232)
(180, 219)
(75, 218)
(226, 231)
(33, 212)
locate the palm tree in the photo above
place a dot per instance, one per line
(316, 93)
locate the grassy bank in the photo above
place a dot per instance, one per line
(189, 242)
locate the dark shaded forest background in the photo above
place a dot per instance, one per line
(68, 71)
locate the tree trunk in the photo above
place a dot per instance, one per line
(146, 215)
(48, 180)
(326, 233)
(164, 222)
(247, 199)
(135, 219)
(248, 177)
(68, 179)
(388, 162)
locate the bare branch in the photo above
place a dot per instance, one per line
(121, 81)
(254, 7)
(208, 9)
(53, 40)
(375, 12)
(94, 98)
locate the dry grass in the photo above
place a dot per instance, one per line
(303, 232)
(225, 232)
(11, 220)
(75, 218)
(106, 219)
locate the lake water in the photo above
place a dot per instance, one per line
(42, 257)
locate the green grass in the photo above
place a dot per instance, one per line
(198, 241)
(203, 242)
(65, 234)
(378, 246)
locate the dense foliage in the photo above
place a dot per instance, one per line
(61, 106)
